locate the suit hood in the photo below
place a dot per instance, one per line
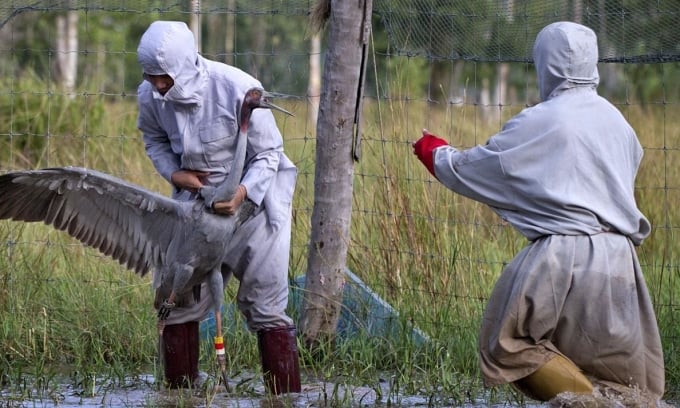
(565, 56)
(169, 47)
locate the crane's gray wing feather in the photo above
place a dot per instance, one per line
(126, 222)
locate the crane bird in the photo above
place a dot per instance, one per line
(182, 242)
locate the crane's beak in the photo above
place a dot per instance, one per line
(266, 103)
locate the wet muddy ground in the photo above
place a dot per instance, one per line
(248, 391)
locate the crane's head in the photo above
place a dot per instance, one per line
(257, 98)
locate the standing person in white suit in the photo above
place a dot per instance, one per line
(188, 115)
(573, 304)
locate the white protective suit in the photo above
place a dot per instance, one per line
(194, 126)
(563, 172)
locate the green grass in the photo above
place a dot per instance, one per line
(65, 309)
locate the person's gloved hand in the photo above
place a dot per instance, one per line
(424, 148)
(230, 207)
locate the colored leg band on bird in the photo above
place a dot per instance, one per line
(219, 345)
(222, 360)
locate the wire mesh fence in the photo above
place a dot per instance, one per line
(458, 68)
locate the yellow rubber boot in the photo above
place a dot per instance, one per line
(556, 376)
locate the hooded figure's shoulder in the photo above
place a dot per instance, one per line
(530, 125)
(531, 116)
(228, 74)
(227, 82)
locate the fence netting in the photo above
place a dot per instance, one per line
(492, 30)
(460, 68)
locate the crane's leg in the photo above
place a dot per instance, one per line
(217, 292)
(219, 349)
(181, 276)
(164, 311)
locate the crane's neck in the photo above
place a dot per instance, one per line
(227, 189)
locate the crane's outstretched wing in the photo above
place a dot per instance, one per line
(126, 222)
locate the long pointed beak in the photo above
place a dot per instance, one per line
(266, 103)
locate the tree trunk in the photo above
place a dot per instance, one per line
(66, 64)
(258, 40)
(333, 176)
(500, 98)
(229, 36)
(195, 22)
(578, 11)
(314, 85)
(484, 101)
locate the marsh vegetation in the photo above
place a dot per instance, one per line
(69, 314)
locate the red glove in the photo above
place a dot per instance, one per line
(424, 148)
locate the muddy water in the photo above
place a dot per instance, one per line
(249, 392)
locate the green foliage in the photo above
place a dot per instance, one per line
(64, 307)
(433, 255)
(32, 120)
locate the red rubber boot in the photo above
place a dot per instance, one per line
(279, 354)
(179, 354)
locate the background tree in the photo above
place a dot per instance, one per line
(348, 23)
(66, 61)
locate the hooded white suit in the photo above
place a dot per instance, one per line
(194, 126)
(563, 172)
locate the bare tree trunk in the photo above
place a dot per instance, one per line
(578, 11)
(484, 101)
(195, 22)
(229, 37)
(501, 91)
(213, 42)
(503, 69)
(66, 64)
(314, 85)
(610, 74)
(333, 178)
(258, 39)
(457, 93)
